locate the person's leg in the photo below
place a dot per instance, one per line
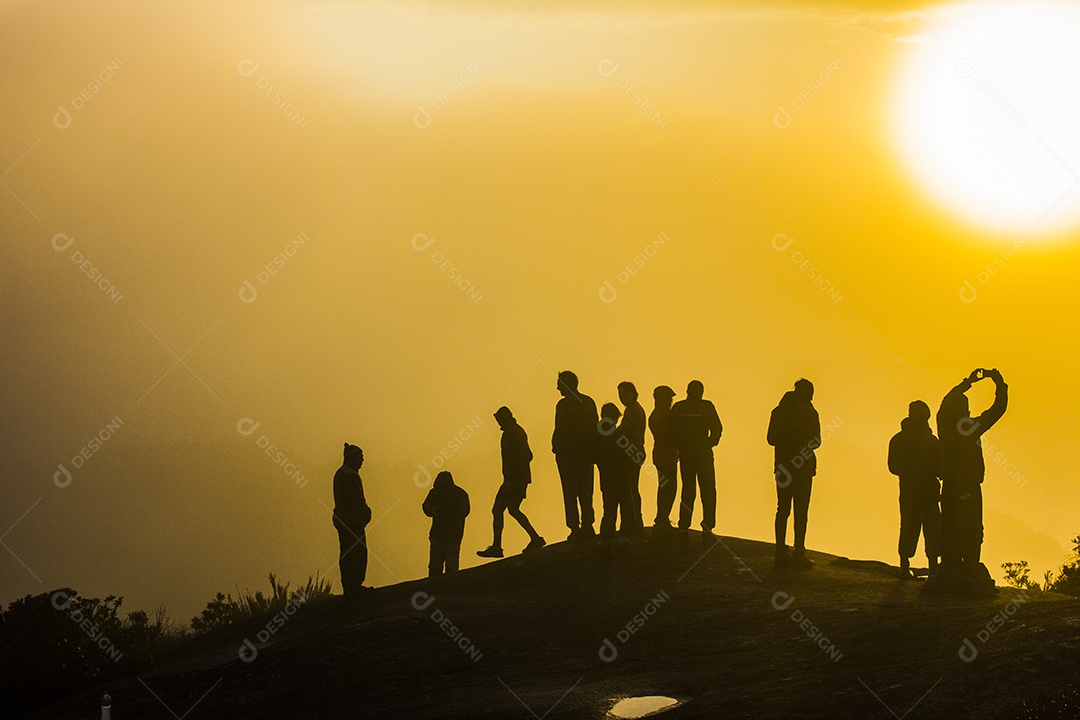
(950, 518)
(910, 521)
(584, 484)
(976, 525)
(361, 558)
(611, 507)
(707, 481)
(801, 497)
(451, 555)
(568, 479)
(346, 546)
(688, 465)
(667, 484)
(514, 509)
(435, 563)
(783, 509)
(497, 519)
(633, 496)
(931, 522)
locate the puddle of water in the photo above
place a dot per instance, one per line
(638, 707)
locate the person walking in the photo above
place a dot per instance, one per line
(516, 459)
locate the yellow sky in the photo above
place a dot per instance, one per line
(576, 139)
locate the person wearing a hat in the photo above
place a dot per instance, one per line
(351, 516)
(516, 457)
(665, 457)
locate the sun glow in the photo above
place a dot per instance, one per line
(987, 111)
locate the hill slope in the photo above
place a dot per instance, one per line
(563, 633)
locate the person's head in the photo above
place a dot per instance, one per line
(627, 393)
(354, 456)
(567, 383)
(610, 411)
(695, 390)
(444, 478)
(504, 417)
(804, 390)
(955, 406)
(919, 411)
(662, 396)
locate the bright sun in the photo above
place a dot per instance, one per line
(987, 113)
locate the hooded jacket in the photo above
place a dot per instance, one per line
(447, 504)
(516, 455)
(914, 452)
(795, 433)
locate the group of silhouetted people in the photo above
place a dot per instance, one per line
(941, 486)
(947, 469)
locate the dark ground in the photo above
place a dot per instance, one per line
(717, 643)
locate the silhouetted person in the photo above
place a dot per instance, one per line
(695, 430)
(794, 433)
(614, 476)
(915, 457)
(447, 505)
(664, 456)
(517, 475)
(574, 444)
(962, 472)
(632, 441)
(351, 516)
